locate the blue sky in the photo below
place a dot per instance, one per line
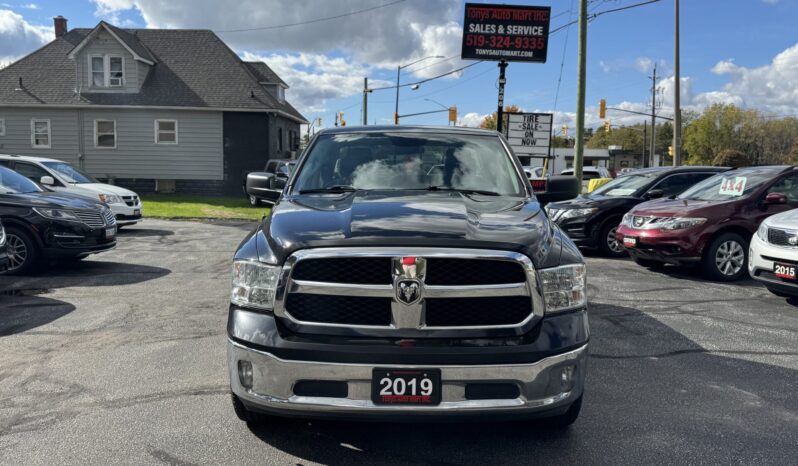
(740, 51)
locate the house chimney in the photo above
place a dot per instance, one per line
(60, 25)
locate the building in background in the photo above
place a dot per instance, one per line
(150, 109)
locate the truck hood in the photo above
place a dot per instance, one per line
(48, 199)
(408, 218)
(679, 208)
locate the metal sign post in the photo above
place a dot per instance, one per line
(500, 111)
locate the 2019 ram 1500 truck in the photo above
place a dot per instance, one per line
(408, 271)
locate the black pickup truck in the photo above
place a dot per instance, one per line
(409, 272)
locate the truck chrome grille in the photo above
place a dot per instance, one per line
(351, 310)
(131, 201)
(407, 292)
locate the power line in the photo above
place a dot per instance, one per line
(593, 16)
(562, 62)
(317, 20)
(428, 79)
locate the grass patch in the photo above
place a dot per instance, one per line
(179, 206)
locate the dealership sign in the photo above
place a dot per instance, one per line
(506, 32)
(529, 134)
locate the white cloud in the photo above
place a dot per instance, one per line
(18, 37)
(30, 6)
(644, 64)
(472, 119)
(316, 78)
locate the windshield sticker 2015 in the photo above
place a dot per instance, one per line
(733, 187)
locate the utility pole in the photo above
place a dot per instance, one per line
(500, 110)
(396, 110)
(677, 112)
(645, 133)
(653, 147)
(366, 101)
(579, 146)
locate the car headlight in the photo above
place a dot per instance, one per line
(677, 223)
(254, 284)
(577, 213)
(57, 214)
(564, 287)
(762, 232)
(627, 220)
(110, 199)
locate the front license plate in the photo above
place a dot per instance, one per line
(406, 386)
(136, 212)
(110, 232)
(784, 271)
(629, 241)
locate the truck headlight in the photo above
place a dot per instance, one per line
(762, 232)
(254, 284)
(564, 287)
(57, 214)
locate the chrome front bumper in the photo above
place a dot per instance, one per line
(542, 386)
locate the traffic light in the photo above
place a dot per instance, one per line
(341, 119)
(565, 131)
(395, 118)
(603, 108)
(452, 114)
(670, 151)
(607, 126)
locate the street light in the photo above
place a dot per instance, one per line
(398, 74)
(438, 103)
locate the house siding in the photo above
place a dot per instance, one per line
(105, 44)
(197, 156)
(63, 133)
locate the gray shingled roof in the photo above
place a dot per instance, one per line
(193, 68)
(264, 73)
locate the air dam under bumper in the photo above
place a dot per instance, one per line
(542, 386)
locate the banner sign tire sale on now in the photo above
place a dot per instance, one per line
(529, 134)
(506, 32)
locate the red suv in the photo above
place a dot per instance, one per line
(711, 223)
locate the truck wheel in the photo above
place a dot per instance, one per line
(564, 420)
(250, 417)
(23, 253)
(254, 201)
(607, 243)
(726, 257)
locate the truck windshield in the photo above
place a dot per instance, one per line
(408, 161)
(625, 185)
(69, 173)
(12, 182)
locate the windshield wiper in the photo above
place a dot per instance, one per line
(462, 190)
(338, 188)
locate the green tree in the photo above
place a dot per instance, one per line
(732, 158)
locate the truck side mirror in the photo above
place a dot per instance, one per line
(47, 180)
(559, 188)
(258, 183)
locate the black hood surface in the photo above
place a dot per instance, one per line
(407, 218)
(48, 199)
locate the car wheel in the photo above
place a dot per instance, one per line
(726, 257)
(648, 263)
(564, 420)
(607, 243)
(254, 201)
(23, 254)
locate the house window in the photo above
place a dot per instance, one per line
(165, 131)
(40, 134)
(280, 94)
(105, 134)
(107, 70)
(2, 127)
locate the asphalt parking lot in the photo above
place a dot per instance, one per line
(121, 359)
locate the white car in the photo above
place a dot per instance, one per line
(773, 254)
(61, 176)
(589, 173)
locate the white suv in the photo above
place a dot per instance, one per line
(773, 255)
(63, 177)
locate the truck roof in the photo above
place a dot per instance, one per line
(409, 129)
